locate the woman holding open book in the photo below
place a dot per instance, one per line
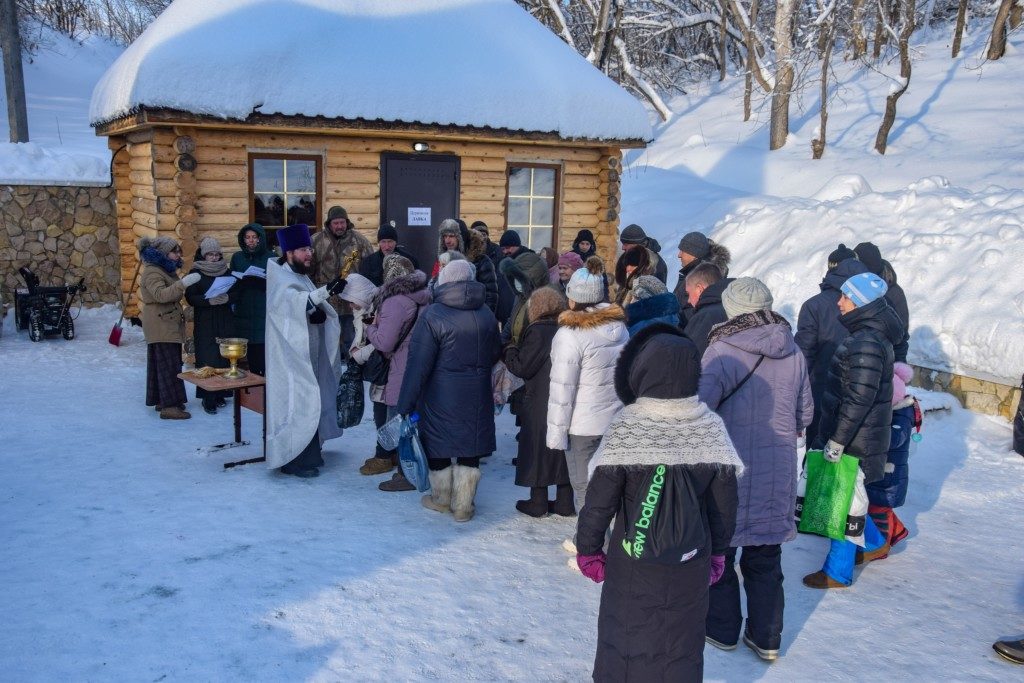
(211, 317)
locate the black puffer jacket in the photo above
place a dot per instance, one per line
(898, 300)
(476, 253)
(856, 408)
(448, 377)
(372, 267)
(708, 313)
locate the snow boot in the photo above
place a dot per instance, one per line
(464, 483)
(440, 496)
(1010, 650)
(820, 579)
(562, 505)
(766, 655)
(174, 413)
(721, 646)
(210, 406)
(397, 482)
(879, 553)
(569, 546)
(537, 505)
(376, 465)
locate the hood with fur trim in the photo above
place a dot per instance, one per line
(403, 284)
(546, 302)
(720, 256)
(592, 317)
(476, 247)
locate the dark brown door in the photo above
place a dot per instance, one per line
(418, 191)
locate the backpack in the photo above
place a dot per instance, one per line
(666, 525)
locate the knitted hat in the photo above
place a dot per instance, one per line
(210, 245)
(336, 212)
(510, 238)
(396, 265)
(387, 232)
(586, 286)
(633, 234)
(695, 244)
(901, 374)
(841, 254)
(449, 256)
(457, 271)
(358, 290)
(746, 295)
(294, 237)
(571, 259)
(647, 286)
(165, 245)
(863, 289)
(870, 256)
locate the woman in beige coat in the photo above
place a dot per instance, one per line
(163, 324)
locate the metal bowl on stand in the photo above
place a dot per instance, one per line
(233, 348)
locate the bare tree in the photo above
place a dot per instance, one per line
(858, 37)
(901, 32)
(827, 38)
(748, 82)
(14, 79)
(785, 11)
(961, 22)
(997, 43)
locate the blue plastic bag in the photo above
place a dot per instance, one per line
(411, 456)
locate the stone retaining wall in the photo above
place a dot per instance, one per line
(983, 396)
(61, 234)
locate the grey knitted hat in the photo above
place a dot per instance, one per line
(746, 295)
(165, 245)
(695, 244)
(457, 271)
(210, 245)
(647, 286)
(633, 234)
(586, 286)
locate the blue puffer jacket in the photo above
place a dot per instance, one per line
(448, 377)
(661, 308)
(891, 489)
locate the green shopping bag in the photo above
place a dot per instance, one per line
(827, 494)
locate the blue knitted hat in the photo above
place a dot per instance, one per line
(864, 288)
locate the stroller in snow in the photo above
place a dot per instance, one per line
(45, 310)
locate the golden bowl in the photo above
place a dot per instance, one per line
(233, 348)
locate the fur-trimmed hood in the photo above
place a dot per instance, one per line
(476, 248)
(719, 255)
(592, 317)
(403, 284)
(657, 306)
(546, 302)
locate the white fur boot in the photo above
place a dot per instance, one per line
(440, 496)
(465, 480)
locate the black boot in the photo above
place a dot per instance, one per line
(563, 503)
(537, 506)
(210, 405)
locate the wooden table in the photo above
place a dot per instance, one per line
(249, 392)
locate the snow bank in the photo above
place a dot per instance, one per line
(957, 254)
(30, 164)
(461, 62)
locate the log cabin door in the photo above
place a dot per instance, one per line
(418, 191)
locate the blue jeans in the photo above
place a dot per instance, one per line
(843, 554)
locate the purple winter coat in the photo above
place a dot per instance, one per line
(763, 418)
(399, 302)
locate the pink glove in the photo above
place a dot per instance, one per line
(717, 569)
(592, 566)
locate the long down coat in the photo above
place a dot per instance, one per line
(448, 378)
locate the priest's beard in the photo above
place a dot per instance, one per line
(299, 268)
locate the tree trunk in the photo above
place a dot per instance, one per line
(818, 144)
(961, 22)
(859, 39)
(14, 78)
(748, 84)
(784, 73)
(599, 51)
(1016, 14)
(723, 42)
(997, 43)
(747, 24)
(908, 11)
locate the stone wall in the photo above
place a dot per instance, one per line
(61, 234)
(979, 395)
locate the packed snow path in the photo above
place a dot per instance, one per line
(131, 555)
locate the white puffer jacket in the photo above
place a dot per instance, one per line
(583, 356)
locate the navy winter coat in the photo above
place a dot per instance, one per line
(856, 408)
(448, 376)
(661, 308)
(708, 313)
(891, 490)
(819, 332)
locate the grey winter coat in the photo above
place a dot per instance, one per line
(763, 418)
(400, 301)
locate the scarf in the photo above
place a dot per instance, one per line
(213, 269)
(677, 431)
(155, 257)
(745, 322)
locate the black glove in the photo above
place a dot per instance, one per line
(336, 286)
(317, 317)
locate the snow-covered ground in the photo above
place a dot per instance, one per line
(130, 554)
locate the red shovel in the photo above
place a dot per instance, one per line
(115, 331)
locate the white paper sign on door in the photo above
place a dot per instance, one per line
(419, 215)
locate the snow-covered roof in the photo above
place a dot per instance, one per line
(474, 63)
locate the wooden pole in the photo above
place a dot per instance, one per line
(14, 79)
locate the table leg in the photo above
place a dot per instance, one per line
(237, 407)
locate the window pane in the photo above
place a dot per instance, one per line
(540, 238)
(518, 211)
(301, 176)
(268, 175)
(543, 212)
(269, 209)
(301, 209)
(519, 181)
(544, 182)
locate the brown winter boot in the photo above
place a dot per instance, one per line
(820, 579)
(879, 553)
(174, 413)
(376, 465)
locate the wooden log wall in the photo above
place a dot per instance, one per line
(190, 182)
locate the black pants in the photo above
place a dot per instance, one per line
(309, 458)
(380, 416)
(438, 464)
(761, 566)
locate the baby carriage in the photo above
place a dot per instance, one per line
(45, 310)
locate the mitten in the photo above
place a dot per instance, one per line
(317, 317)
(592, 566)
(191, 279)
(717, 569)
(833, 451)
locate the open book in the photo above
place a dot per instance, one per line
(251, 271)
(220, 285)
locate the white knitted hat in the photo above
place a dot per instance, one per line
(457, 271)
